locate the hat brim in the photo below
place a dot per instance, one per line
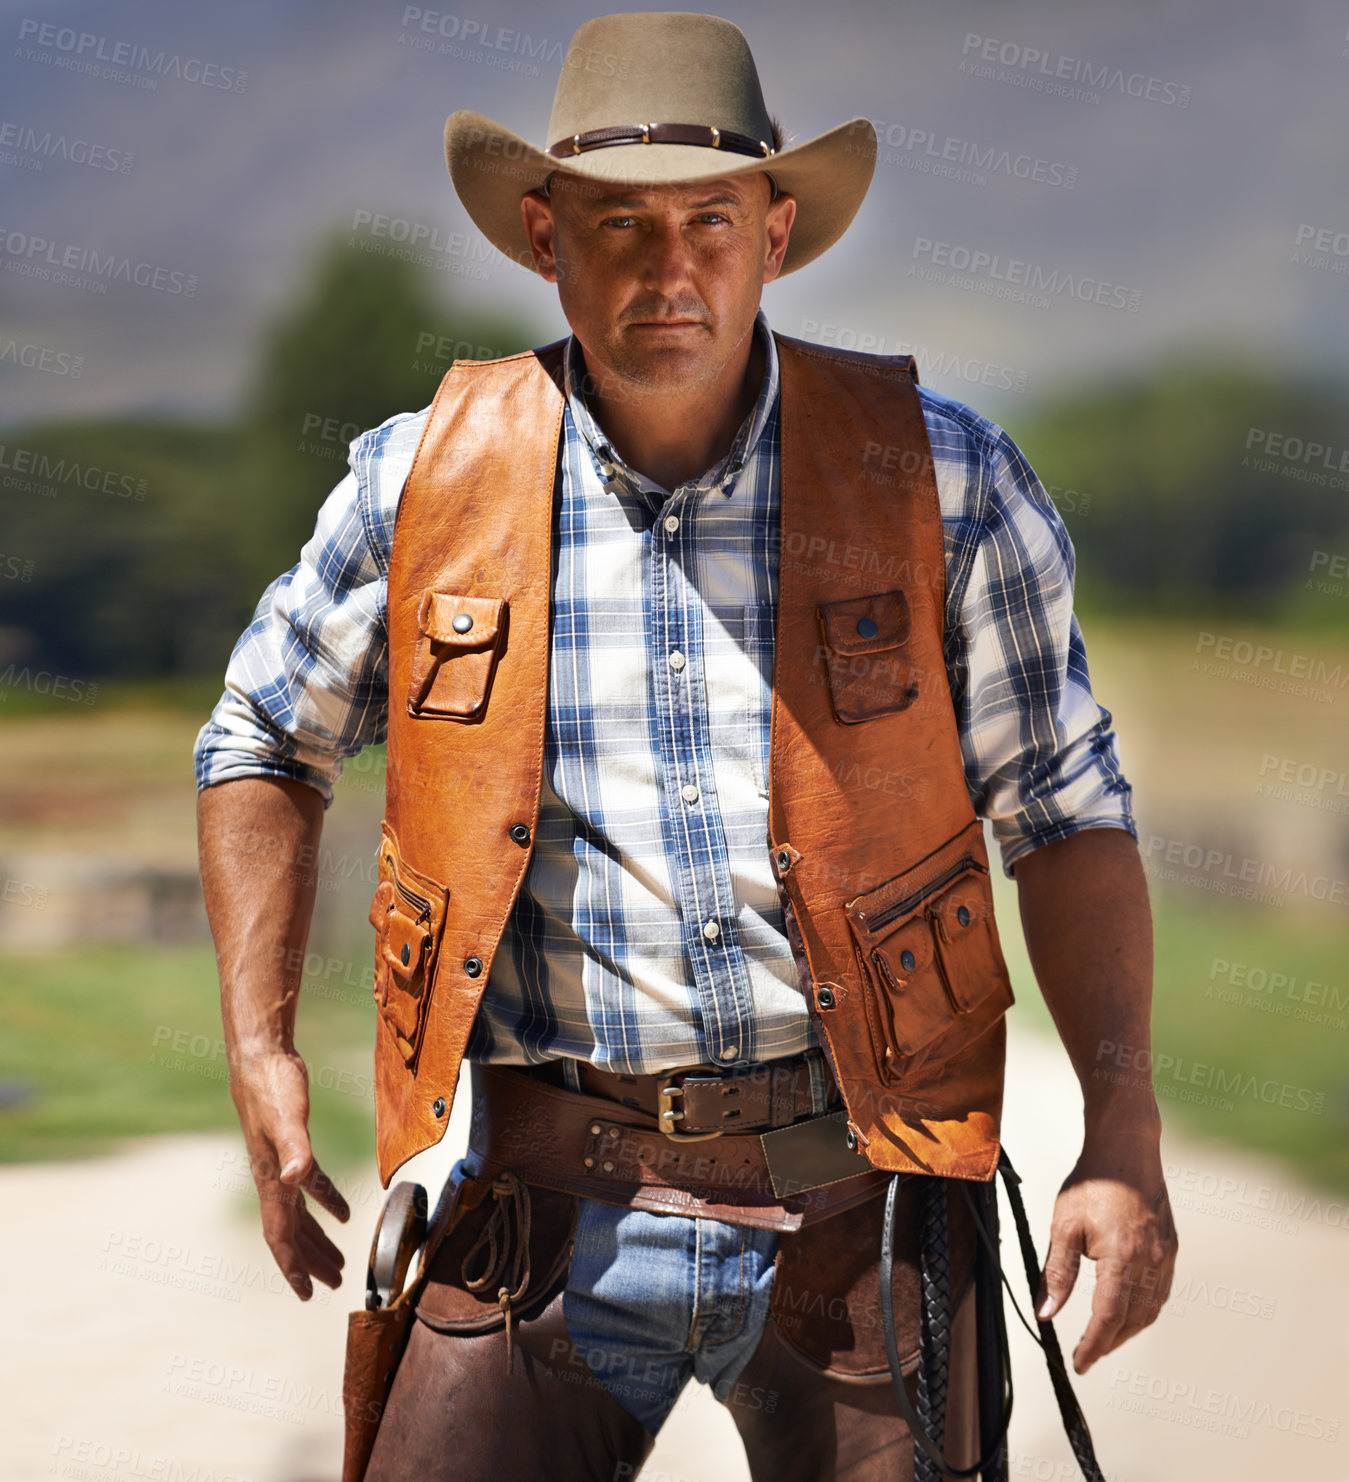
(492, 168)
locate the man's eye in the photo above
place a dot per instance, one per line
(712, 217)
(619, 221)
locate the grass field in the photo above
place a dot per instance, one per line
(107, 1043)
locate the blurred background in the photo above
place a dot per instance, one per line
(229, 244)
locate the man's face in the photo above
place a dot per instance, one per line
(659, 283)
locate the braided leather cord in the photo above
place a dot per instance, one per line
(934, 1360)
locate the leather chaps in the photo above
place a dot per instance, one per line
(491, 1387)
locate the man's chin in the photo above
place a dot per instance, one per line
(669, 367)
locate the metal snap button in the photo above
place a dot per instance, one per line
(825, 998)
(851, 1140)
(907, 960)
(867, 627)
(963, 915)
(462, 622)
(438, 1106)
(784, 860)
(406, 954)
(473, 966)
(520, 833)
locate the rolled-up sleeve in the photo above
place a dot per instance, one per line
(1039, 751)
(307, 683)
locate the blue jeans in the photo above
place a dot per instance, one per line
(654, 1299)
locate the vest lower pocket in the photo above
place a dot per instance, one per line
(408, 914)
(458, 642)
(931, 963)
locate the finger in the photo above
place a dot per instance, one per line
(325, 1191)
(319, 1263)
(1110, 1302)
(289, 1257)
(317, 1236)
(1060, 1270)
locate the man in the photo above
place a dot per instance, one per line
(699, 652)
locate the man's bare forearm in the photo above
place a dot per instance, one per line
(1088, 927)
(258, 840)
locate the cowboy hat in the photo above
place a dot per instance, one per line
(659, 98)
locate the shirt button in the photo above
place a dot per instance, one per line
(676, 661)
(689, 793)
(671, 523)
(711, 931)
(730, 1052)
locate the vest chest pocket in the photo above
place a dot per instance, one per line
(932, 966)
(458, 642)
(866, 651)
(408, 914)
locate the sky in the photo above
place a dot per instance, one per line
(1063, 193)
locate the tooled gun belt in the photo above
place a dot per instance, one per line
(783, 1166)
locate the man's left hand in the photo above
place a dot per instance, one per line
(1112, 1208)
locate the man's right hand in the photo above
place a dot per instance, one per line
(271, 1093)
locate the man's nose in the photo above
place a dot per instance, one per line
(665, 260)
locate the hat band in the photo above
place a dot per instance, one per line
(702, 135)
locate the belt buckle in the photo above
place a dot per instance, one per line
(668, 1114)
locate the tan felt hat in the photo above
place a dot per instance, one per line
(658, 98)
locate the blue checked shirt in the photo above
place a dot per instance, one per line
(648, 933)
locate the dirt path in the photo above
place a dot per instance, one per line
(149, 1336)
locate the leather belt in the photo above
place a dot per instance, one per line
(707, 1102)
(600, 1148)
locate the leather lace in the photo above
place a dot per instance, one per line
(935, 1328)
(504, 1241)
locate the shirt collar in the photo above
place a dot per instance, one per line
(722, 475)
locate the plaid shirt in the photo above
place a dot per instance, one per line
(648, 933)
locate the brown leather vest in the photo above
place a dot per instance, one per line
(877, 850)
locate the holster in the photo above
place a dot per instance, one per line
(494, 1252)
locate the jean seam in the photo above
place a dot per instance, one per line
(691, 1342)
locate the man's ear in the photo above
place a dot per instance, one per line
(536, 211)
(778, 224)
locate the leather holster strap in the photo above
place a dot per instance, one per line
(763, 1097)
(605, 1150)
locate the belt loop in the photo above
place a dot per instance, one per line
(571, 1074)
(819, 1100)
